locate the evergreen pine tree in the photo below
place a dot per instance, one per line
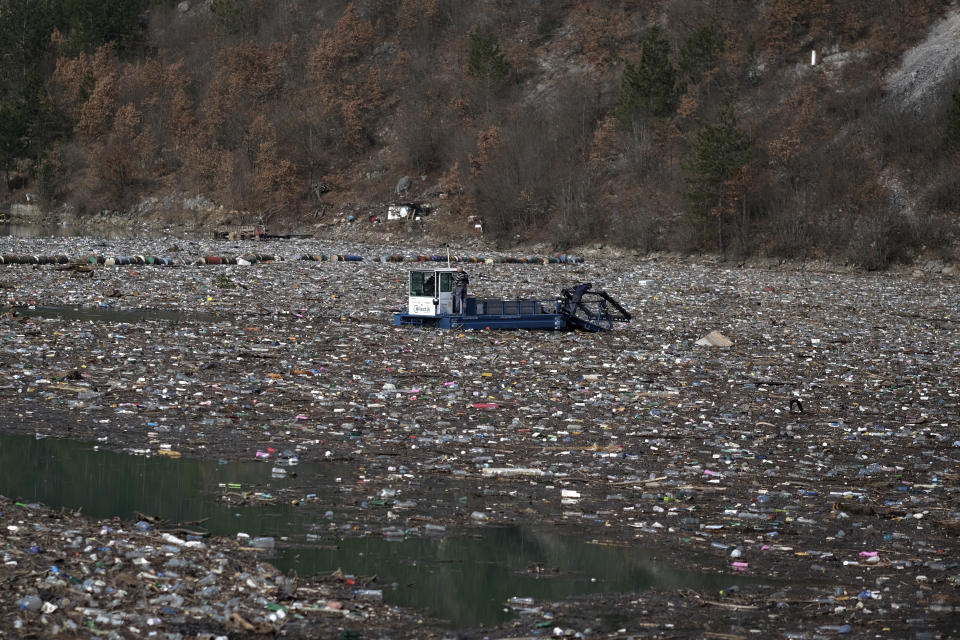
(649, 88)
(700, 52)
(90, 23)
(487, 63)
(719, 152)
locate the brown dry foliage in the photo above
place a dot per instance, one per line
(203, 163)
(254, 74)
(69, 81)
(183, 119)
(413, 16)
(349, 40)
(120, 160)
(802, 123)
(606, 143)
(489, 144)
(275, 179)
(96, 113)
(601, 30)
(794, 24)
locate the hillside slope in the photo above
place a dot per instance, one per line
(671, 125)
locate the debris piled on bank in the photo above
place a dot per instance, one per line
(69, 576)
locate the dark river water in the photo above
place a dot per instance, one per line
(466, 577)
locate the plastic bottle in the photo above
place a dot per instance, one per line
(263, 543)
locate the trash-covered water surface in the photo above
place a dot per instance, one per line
(798, 426)
(295, 512)
(107, 313)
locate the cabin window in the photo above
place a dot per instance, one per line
(423, 283)
(446, 282)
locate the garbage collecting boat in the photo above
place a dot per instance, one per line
(431, 304)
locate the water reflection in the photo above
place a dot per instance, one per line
(465, 578)
(468, 579)
(62, 473)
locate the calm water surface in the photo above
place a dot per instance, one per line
(465, 577)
